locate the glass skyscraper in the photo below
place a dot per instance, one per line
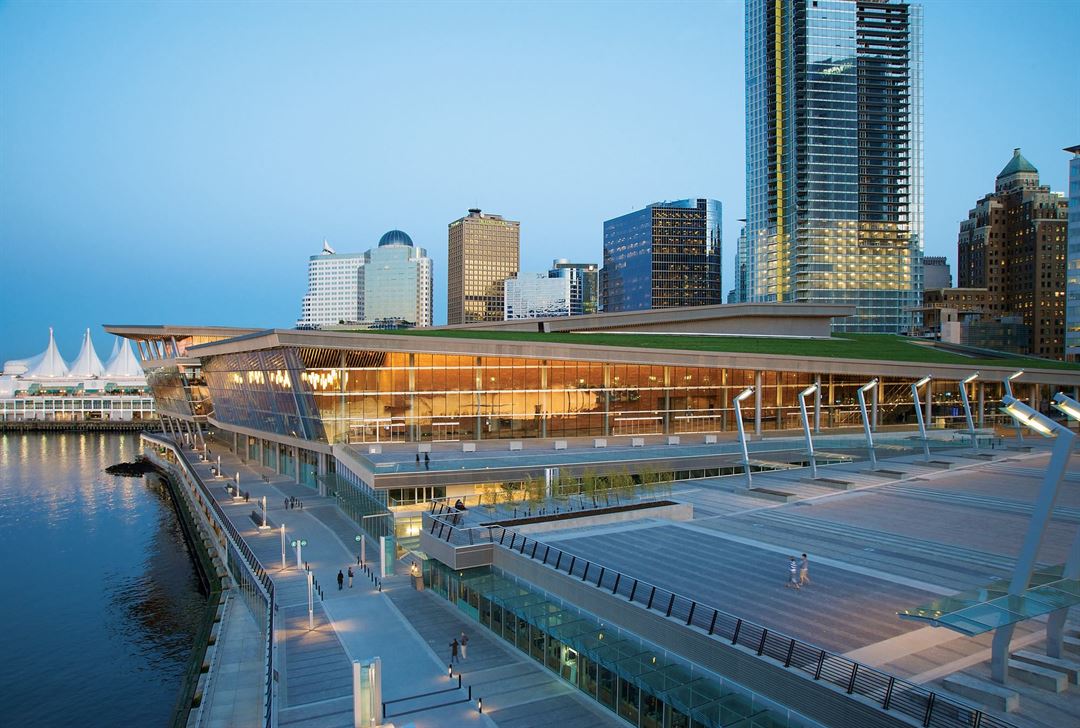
(834, 188)
(395, 284)
(663, 256)
(1072, 281)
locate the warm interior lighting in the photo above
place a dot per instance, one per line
(745, 393)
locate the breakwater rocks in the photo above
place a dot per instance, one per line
(137, 469)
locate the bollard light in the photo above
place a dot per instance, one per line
(450, 671)
(480, 705)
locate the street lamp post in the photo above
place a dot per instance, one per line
(967, 407)
(866, 420)
(1009, 393)
(919, 414)
(363, 548)
(283, 565)
(1040, 518)
(812, 389)
(742, 433)
(299, 544)
(264, 526)
(310, 601)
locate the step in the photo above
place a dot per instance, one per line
(1040, 677)
(777, 496)
(983, 692)
(1070, 644)
(1071, 668)
(830, 483)
(883, 473)
(942, 464)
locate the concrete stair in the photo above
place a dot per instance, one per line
(983, 692)
(1040, 677)
(1069, 668)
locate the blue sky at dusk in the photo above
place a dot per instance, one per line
(177, 163)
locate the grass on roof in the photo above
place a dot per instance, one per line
(878, 347)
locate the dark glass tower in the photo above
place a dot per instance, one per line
(664, 256)
(834, 157)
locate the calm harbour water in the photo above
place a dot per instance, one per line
(100, 600)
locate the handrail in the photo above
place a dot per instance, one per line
(887, 691)
(248, 561)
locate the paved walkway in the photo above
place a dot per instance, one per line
(359, 622)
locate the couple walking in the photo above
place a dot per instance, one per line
(798, 573)
(459, 648)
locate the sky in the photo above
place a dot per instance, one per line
(178, 162)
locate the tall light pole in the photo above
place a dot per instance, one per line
(1040, 518)
(812, 389)
(264, 526)
(866, 420)
(1009, 393)
(967, 407)
(310, 601)
(742, 433)
(919, 414)
(299, 543)
(283, 564)
(1067, 406)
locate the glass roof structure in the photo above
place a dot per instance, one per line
(985, 609)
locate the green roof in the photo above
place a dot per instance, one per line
(1018, 163)
(877, 347)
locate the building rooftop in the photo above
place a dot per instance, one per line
(395, 237)
(1017, 164)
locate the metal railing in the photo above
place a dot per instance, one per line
(256, 587)
(888, 692)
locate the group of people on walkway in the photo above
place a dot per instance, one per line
(459, 648)
(294, 502)
(341, 579)
(798, 572)
(427, 461)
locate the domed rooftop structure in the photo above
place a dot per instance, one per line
(395, 237)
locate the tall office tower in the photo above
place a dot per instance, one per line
(834, 179)
(740, 294)
(332, 289)
(1013, 244)
(395, 284)
(936, 273)
(538, 295)
(666, 255)
(1072, 283)
(584, 284)
(483, 252)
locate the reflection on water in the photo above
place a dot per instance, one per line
(100, 598)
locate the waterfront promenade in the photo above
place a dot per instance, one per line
(409, 630)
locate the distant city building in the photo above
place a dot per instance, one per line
(740, 293)
(1072, 295)
(538, 295)
(834, 183)
(394, 284)
(1013, 244)
(584, 283)
(666, 255)
(484, 250)
(333, 293)
(46, 388)
(936, 273)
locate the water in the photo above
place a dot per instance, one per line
(99, 597)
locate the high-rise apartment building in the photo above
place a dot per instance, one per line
(484, 251)
(834, 183)
(584, 284)
(395, 284)
(936, 273)
(1013, 244)
(666, 255)
(332, 296)
(1072, 281)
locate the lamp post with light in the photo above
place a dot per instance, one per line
(742, 433)
(967, 407)
(1009, 393)
(866, 420)
(919, 413)
(812, 389)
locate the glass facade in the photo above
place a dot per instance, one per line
(395, 284)
(642, 684)
(373, 396)
(584, 284)
(664, 256)
(179, 390)
(535, 295)
(1072, 310)
(834, 157)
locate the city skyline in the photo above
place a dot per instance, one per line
(107, 160)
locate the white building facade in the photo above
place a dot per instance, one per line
(333, 294)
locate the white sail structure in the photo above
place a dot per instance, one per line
(86, 364)
(51, 364)
(123, 364)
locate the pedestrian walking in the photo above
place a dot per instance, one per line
(340, 579)
(427, 462)
(804, 571)
(286, 504)
(453, 652)
(246, 496)
(464, 646)
(350, 577)
(793, 573)
(418, 460)
(301, 505)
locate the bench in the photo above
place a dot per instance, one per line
(882, 473)
(637, 442)
(560, 444)
(942, 464)
(1070, 644)
(1069, 667)
(1040, 677)
(374, 449)
(673, 440)
(423, 447)
(830, 483)
(599, 442)
(468, 447)
(984, 692)
(773, 495)
(515, 445)
(710, 439)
